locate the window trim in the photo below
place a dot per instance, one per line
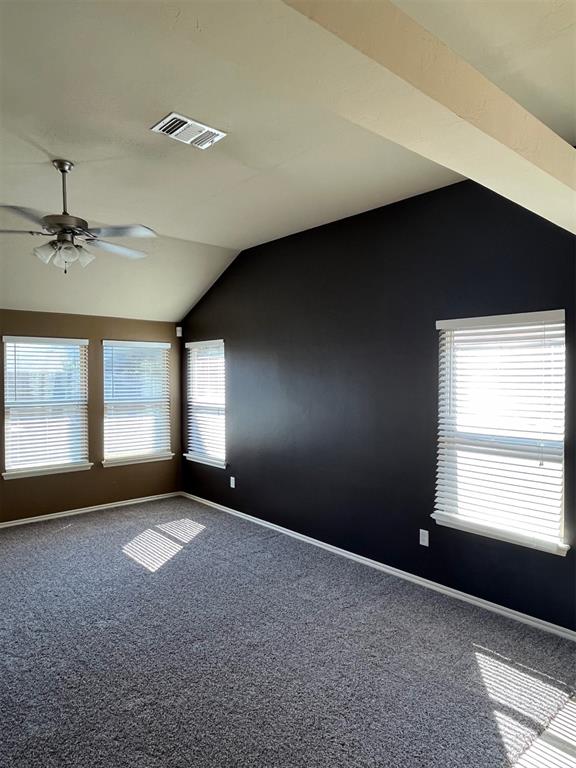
(122, 461)
(195, 457)
(44, 340)
(451, 520)
(53, 469)
(501, 534)
(487, 321)
(208, 343)
(203, 460)
(139, 343)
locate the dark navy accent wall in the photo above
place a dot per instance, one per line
(332, 365)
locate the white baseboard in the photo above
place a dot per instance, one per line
(568, 634)
(546, 626)
(82, 510)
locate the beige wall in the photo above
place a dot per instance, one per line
(28, 497)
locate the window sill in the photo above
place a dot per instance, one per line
(544, 545)
(124, 460)
(14, 474)
(203, 460)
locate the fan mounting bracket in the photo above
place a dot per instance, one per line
(64, 166)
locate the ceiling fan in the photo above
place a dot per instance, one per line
(73, 234)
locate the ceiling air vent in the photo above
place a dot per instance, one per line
(188, 131)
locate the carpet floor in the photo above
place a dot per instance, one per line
(168, 635)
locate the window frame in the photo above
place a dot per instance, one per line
(47, 469)
(188, 455)
(135, 458)
(451, 520)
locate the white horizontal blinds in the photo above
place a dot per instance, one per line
(206, 433)
(136, 399)
(501, 425)
(46, 402)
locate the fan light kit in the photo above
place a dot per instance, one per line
(72, 234)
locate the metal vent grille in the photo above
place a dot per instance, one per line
(188, 131)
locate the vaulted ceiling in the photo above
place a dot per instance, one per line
(86, 80)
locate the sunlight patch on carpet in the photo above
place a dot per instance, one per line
(523, 699)
(556, 747)
(153, 549)
(184, 530)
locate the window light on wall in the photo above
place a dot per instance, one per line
(501, 428)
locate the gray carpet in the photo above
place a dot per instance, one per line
(220, 643)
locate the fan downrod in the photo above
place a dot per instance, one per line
(64, 166)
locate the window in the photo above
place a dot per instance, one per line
(136, 402)
(501, 428)
(206, 401)
(46, 405)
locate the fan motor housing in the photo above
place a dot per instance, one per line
(63, 222)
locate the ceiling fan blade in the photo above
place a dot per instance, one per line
(118, 250)
(22, 232)
(129, 230)
(26, 213)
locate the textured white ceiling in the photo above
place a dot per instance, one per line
(526, 47)
(86, 80)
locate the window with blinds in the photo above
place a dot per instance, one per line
(501, 428)
(136, 401)
(206, 402)
(45, 405)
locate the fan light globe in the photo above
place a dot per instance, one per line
(59, 261)
(84, 256)
(46, 251)
(68, 252)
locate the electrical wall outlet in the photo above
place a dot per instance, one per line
(424, 540)
(232, 482)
